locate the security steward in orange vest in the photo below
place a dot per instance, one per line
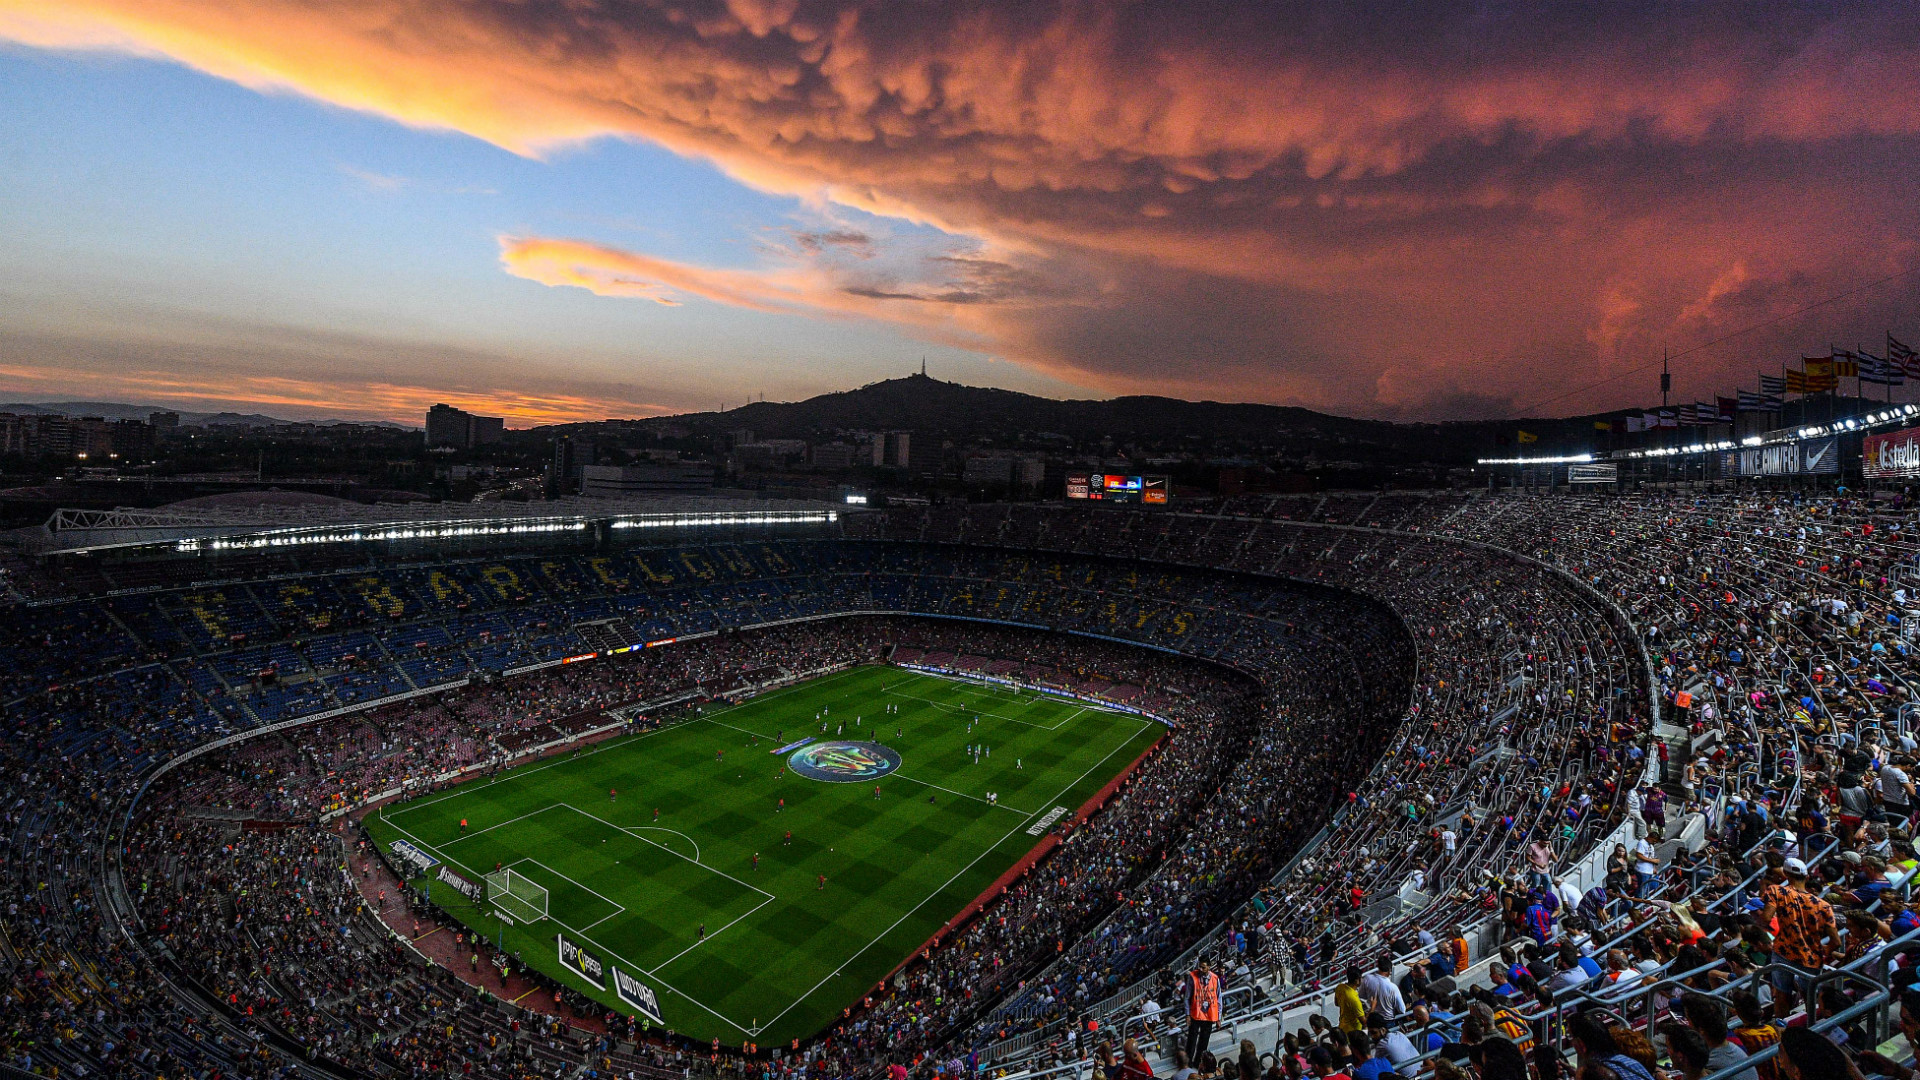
(1203, 1008)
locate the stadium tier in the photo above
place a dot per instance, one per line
(955, 787)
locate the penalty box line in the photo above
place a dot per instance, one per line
(615, 953)
(518, 772)
(662, 965)
(1080, 711)
(649, 840)
(583, 887)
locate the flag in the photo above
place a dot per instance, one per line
(1728, 406)
(1880, 372)
(1528, 436)
(1636, 424)
(1752, 402)
(1704, 413)
(1602, 425)
(1811, 381)
(1819, 366)
(1846, 364)
(1667, 419)
(1773, 384)
(1900, 354)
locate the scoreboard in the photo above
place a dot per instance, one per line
(1116, 488)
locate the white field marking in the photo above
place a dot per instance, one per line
(715, 1013)
(810, 683)
(517, 772)
(1028, 705)
(649, 840)
(597, 922)
(732, 727)
(490, 828)
(664, 829)
(563, 877)
(949, 706)
(663, 964)
(429, 847)
(611, 953)
(964, 795)
(935, 892)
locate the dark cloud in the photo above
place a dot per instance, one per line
(1378, 207)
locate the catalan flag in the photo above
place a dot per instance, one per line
(1812, 381)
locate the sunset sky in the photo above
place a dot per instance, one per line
(565, 209)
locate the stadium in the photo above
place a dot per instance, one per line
(782, 788)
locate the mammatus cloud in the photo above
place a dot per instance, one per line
(1382, 208)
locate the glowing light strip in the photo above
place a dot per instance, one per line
(1893, 414)
(1569, 459)
(354, 535)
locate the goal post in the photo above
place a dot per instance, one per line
(520, 897)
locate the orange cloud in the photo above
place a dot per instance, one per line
(1342, 192)
(301, 398)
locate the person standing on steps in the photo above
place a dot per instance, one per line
(1203, 1007)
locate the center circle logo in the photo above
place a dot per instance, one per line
(844, 762)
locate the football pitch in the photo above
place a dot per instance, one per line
(683, 866)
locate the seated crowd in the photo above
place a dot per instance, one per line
(1436, 739)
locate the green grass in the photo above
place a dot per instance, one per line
(781, 956)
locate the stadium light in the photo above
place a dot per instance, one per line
(279, 538)
(1564, 459)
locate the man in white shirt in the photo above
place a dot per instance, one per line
(1379, 993)
(1568, 974)
(1896, 791)
(1397, 1047)
(1646, 862)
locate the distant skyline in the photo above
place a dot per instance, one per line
(576, 210)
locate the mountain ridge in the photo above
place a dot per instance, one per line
(119, 410)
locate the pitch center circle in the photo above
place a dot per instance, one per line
(844, 762)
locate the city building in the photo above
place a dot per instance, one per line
(1004, 470)
(834, 455)
(615, 481)
(92, 437)
(458, 428)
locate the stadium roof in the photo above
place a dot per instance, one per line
(235, 525)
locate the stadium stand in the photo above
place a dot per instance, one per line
(1558, 762)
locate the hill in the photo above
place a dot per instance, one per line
(960, 412)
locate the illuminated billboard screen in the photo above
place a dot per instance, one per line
(1118, 488)
(1892, 455)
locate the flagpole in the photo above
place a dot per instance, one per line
(1887, 372)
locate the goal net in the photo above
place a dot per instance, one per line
(523, 899)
